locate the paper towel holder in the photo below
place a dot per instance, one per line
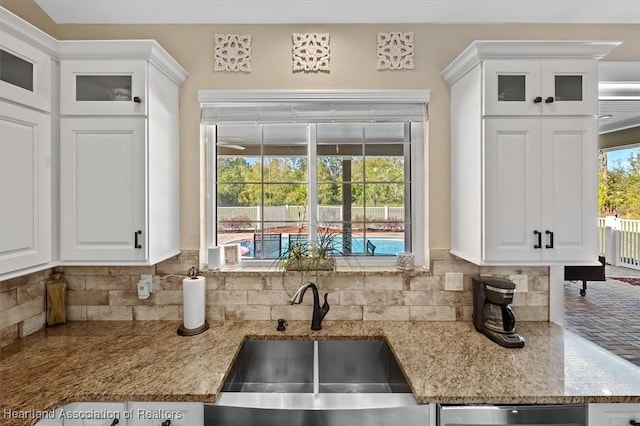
(193, 273)
(182, 331)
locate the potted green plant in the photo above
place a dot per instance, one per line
(303, 255)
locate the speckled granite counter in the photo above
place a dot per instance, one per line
(444, 362)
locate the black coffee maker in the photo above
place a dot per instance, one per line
(492, 314)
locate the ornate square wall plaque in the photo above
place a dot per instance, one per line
(232, 52)
(395, 51)
(311, 52)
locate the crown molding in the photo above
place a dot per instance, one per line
(23, 30)
(481, 50)
(148, 50)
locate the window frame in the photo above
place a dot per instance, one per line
(417, 169)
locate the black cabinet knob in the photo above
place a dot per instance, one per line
(537, 99)
(137, 99)
(166, 423)
(549, 100)
(634, 423)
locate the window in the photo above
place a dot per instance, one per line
(275, 182)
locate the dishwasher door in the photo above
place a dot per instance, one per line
(521, 415)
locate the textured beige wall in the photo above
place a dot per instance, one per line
(31, 12)
(353, 66)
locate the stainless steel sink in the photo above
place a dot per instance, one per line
(359, 367)
(308, 383)
(272, 366)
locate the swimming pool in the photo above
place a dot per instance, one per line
(384, 246)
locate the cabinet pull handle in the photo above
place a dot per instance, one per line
(114, 422)
(539, 235)
(136, 242)
(137, 99)
(550, 234)
(549, 100)
(537, 99)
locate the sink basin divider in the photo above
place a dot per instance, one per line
(316, 369)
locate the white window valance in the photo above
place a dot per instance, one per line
(312, 106)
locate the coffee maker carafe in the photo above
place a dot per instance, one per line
(492, 314)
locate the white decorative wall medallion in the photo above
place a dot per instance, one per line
(233, 52)
(395, 51)
(311, 52)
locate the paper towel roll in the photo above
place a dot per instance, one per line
(193, 298)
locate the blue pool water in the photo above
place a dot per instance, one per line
(383, 246)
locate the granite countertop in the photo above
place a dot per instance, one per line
(447, 362)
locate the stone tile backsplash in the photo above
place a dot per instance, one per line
(22, 306)
(106, 293)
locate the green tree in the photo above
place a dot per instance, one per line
(330, 181)
(284, 182)
(232, 173)
(619, 188)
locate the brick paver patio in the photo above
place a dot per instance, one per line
(608, 315)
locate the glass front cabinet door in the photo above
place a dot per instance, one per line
(103, 87)
(25, 73)
(569, 87)
(540, 87)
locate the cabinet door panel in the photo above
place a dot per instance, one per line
(95, 413)
(613, 414)
(103, 189)
(570, 189)
(512, 189)
(156, 413)
(103, 87)
(25, 76)
(510, 87)
(25, 187)
(572, 85)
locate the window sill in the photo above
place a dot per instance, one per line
(341, 271)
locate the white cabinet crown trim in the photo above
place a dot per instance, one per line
(123, 49)
(27, 32)
(481, 50)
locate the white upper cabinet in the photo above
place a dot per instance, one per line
(25, 187)
(119, 153)
(103, 87)
(524, 185)
(28, 84)
(103, 198)
(25, 63)
(537, 172)
(550, 87)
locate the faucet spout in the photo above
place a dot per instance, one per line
(319, 312)
(299, 294)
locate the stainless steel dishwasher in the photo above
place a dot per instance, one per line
(521, 415)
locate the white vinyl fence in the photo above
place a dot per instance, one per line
(620, 241)
(277, 216)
